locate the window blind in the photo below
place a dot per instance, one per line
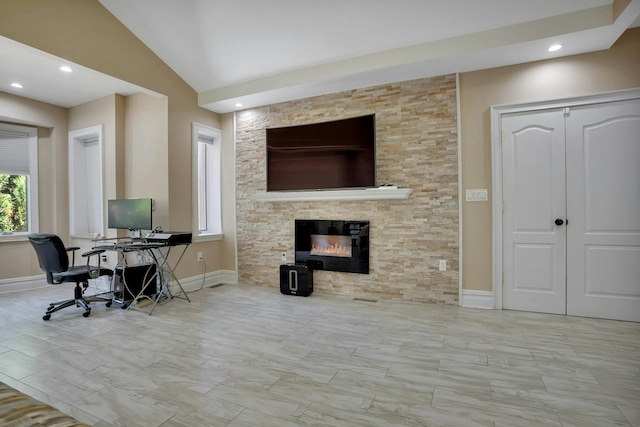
(93, 183)
(202, 182)
(14, 153)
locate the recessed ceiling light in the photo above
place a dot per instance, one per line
(555, 47)
(17, 85)
(66, 69)
(238, 105)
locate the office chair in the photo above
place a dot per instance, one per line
(54, 261)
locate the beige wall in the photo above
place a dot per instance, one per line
(146, 161)
(17, 259)
(83, 32)
(98, 41)
(97, 112)
(133, 127)
(614, 69)
(416, 147)
(104, 111)
(139, 161)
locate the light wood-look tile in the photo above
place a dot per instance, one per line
(241, 356)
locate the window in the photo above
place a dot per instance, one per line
(207, 214)
(18, 181)
(85, 182)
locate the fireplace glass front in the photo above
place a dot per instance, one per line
(333, 245)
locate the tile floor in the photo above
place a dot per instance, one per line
(248, 356)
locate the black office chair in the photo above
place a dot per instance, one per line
(54, 261)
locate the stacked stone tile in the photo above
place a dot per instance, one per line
(416, 147)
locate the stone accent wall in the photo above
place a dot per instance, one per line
(416, 147)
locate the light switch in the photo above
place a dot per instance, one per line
(477, 195)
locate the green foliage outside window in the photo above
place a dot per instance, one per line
(13, 202)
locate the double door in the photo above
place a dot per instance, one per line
(571, 210)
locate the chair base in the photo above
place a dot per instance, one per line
(79, 300)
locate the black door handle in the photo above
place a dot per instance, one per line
(559, 221)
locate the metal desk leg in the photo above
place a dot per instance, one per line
(165, 266)
(161, 260)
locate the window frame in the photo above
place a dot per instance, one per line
(33, 213)
(206, 154)
(78, 140)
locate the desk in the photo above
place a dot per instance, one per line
(158, 253)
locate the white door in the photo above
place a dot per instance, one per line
(603, 207)
(572, 245)
(534, 197)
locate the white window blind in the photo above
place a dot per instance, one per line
(85, 182)
(93, 185)
(202, 183)
(19, 156)
(14, 147)
(207, 211)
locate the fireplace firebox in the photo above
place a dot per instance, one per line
(333, 245)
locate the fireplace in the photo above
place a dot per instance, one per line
(333, 245)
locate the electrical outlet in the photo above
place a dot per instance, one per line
(199, 256)
(284, 257)
(442, 265)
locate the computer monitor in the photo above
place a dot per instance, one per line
(130, 214)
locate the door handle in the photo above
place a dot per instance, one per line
(559, 221)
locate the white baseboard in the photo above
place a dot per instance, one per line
(471, 299)
(20, 284)
(477, 299)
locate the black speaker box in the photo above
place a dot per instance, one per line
(296, 280)
(129, 280)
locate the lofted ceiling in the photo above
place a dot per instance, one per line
(258, 52)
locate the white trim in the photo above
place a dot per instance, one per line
(214, 219)
(460, 198)
(77, 139)
(32, 201)
(190, 284)
(496, 209)
(207, 238)
(20, 284)
(496, 163)
(377, 193)
(477, 299)
(33, 210)
(615, 96)
(55, 174)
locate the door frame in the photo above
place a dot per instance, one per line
(497, 111)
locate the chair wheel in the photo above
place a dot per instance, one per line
(108, 304)
(46, 317)
(86, 314)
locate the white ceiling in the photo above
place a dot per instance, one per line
(39, 73)
(258, 52)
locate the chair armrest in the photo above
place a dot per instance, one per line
(93, 273)
(72, 249)
(93, 252)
